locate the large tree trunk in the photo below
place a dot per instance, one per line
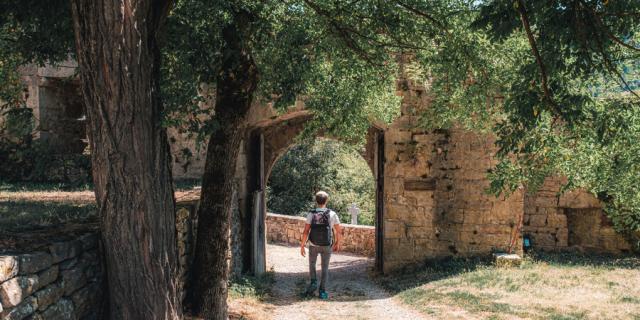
(234, 94)
(119, 67)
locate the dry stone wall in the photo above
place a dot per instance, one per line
(288, 229)
(186, 222)
(574, 220)
(63, 280)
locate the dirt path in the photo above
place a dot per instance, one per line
(353, 295)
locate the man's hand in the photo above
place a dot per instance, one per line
(336, 247)
(302, 251)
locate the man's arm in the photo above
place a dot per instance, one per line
(305, 236)
(338, 233)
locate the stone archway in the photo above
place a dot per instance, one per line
(431, 198)
(266, 142)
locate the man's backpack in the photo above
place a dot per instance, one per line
(321, 233)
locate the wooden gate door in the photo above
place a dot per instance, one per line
(259, 263)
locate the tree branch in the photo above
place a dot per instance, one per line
(342, 33)
(420, 13)
(534, 48)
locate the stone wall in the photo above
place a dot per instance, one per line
(435, 204)
(53, 94)
(574, 220)
(62, 280)
(288, 229)
(186, 222)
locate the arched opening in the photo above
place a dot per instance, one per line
(297, 173)
(269, 141)
(328, 165)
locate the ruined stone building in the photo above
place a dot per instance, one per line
(53, 94)
(430, 184)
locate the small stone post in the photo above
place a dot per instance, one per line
(354, 211)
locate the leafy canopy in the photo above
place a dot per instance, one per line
(554, 80)
(326, 165)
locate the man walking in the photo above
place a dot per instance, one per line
(322, 224)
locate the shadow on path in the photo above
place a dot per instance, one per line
(352, 292)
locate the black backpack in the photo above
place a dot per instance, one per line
(321, 233)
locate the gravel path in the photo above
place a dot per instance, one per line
(353, 295)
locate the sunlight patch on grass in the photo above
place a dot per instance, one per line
(562, 287)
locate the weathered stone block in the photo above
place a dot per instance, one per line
(15, 290)
(507, 260)
(34, 262)
(89, 241)
(62, 310)
(68, 264)
(64, 250)
(25, 309)
(46, 277)
(49, 295)
(394, 229)
(538, 220)
(396, 211)
(73, 279)
(8, 267)
(84, 299)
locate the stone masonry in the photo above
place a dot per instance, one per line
(574, 220)
(434, 191)
(431, 186)
(63, 280)
(288, 229)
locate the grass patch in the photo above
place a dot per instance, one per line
(24, 215)
(630, 299)
(559, 286)
(258, 287)
(44, 186)
(186, 184)
(179, 185)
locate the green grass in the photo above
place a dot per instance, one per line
(43, 186)
(186, 184)
(559, 286)
(258, 287)
(180, 185)
(23, 215)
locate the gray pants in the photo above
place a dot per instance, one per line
(325, 254)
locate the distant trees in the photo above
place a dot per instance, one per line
(322, 165)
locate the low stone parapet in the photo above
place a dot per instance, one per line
(288, 229)
(57, 280)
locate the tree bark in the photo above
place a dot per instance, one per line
(119, 60)
(236, 84)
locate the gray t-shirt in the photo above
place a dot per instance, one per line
(333, 216)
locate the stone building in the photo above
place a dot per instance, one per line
(53, 94)
(430, 185)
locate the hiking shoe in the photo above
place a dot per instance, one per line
(323, 295)
(312, 287)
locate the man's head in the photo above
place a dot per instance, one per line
(322, 198)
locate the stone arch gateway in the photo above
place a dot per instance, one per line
(431, 199)
(266, 142)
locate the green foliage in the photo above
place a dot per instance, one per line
(258, 287)
(26, 159)
(324, 165)
(24, 215)
(557, 92)
(553, 80)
